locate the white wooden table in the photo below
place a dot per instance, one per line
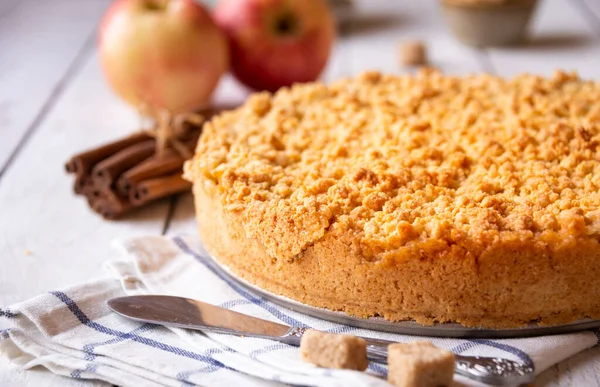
(54, 103)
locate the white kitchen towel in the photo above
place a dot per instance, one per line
(72, 332)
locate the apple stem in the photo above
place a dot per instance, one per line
(286, 24)
(157, 5)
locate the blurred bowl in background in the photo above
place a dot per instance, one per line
(488, 23)
(342, 10)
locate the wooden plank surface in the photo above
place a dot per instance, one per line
(50, 239)
(38, 210)
(39, 43)
(75, 110)
(66, 240)
(7, 6)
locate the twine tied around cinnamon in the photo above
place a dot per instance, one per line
(168, 129)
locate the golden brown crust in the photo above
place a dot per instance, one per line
(430, 198)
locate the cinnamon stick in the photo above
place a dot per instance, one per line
(80, 183)
(107, 170)
(109, 205)
(82, 163)
(128, 173)
(153, 167)
(157, 188)
(88, 188)
(158, 165)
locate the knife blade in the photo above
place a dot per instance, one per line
(192, 314)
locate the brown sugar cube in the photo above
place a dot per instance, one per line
(413, 53)
(334, 351)
(419, 364)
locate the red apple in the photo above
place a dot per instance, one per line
(162, 54)
(275, 43)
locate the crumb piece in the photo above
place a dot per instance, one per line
(413, 53)
(334, 351)
(27, 252)
(419, 364)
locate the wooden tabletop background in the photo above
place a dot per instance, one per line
(54, 102)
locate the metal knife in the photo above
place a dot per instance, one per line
(191, 314)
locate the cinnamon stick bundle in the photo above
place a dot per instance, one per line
(109, 205)
(126, 174)
(107, 170)
(81, 163)
(151, 168)
(158, 165)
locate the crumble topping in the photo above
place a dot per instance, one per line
(393, 160)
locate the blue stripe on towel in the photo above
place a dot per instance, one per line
(183, 377)
(211, 265)
(379, 369)
(89, 348)
(268, 348)
(341, 329)
(462, 347)
(7, 313)
(234, 303)
(85, 320)
(90, 367)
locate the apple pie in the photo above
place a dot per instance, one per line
(417, 197)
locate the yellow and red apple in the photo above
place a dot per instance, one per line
(275, 43)
(162, 54)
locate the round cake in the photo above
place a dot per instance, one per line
(428, 197)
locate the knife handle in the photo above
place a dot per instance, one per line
(490, 370)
